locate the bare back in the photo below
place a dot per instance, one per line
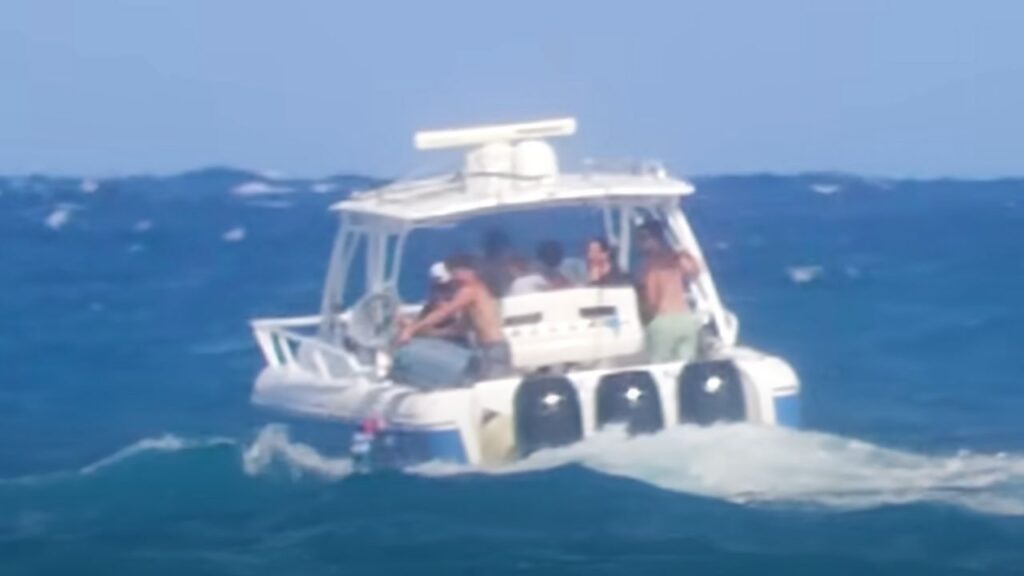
(664, 283)
(484, 314)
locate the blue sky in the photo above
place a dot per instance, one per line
(310, 87)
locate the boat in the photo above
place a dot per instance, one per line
(578, 354)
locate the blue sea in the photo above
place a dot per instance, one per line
(128, 444)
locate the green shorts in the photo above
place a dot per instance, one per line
(673, 337)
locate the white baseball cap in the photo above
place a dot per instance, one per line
(439, 273)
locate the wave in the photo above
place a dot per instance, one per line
(758, 465)
(826, 189)
(164, 443)
(743, 464)
(740, 463)
(260, 188)
(804, 274)
(273, 445)
(236, 234)
(60, 216)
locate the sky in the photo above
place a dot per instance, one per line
(921, 88)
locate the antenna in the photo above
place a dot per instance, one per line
(463, 137)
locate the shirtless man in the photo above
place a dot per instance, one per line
(672, 328)
(473, 299)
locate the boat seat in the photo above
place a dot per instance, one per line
(573, 326)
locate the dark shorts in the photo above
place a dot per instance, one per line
(495, 360)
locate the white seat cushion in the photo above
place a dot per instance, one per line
(576, 325)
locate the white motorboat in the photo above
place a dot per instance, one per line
(578, 354)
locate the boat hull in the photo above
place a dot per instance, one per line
(502, 420)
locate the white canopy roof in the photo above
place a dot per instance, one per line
(454, 197)
(508, 167)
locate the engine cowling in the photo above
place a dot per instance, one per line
(711, 392)
(630, 398)
(547, 414)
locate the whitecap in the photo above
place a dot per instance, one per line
(89, 186)
(804, 274)
(826, 189)
(259, 188)
(236, 234)
(142, 226)
(60, 216)
(273, 445)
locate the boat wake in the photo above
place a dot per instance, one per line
(165, 443)
(742, 464)
(273, 446)
(739, 463)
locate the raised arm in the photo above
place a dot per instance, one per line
(462, 300)
(690, 266)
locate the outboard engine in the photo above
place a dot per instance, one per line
(630, 398)
(547, 414)
(711, 392)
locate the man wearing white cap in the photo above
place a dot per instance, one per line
(442, 289)
(474, 306)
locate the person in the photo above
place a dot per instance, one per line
(547, 276)
(672, 328)
(442, 289)
(473, 299)
(602, 270)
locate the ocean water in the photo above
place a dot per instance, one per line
(128, 446)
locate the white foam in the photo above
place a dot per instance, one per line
(165, 443)
(751, 464)
(272, 445)
(323, 187)
(826, 189)
(236, 234)
(89, 186)
(142, 226)
(804, 274)
(60, 216)
(259, 188)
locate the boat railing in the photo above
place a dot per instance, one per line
(292, 344)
